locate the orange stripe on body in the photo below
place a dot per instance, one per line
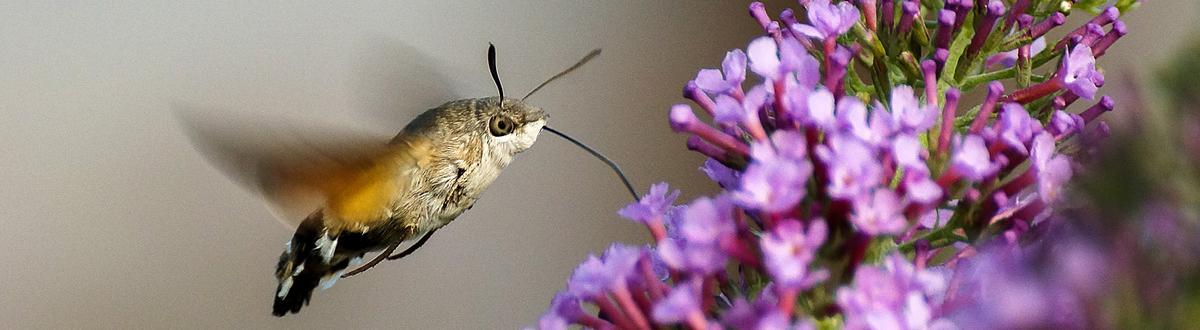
(365, 200)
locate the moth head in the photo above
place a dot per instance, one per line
(509, 125)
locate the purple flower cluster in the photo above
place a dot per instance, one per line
(1005, 288)
(894, 296)
(825, 172)
(609, 282)
(1079, 272)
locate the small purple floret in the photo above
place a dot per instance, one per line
(652, 206)
(828, 20)
(878, 213)
(971, 159)
(788, 250)
(734, 67)
(1079, 73)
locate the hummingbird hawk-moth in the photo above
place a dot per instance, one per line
(355, 194)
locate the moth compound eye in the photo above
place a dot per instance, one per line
(501, 126)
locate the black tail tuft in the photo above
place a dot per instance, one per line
(302, 267)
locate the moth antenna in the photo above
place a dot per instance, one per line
(585, 59)
(492, 67)
(598, 155)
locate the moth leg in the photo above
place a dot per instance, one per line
(412, 248)
(372, 263)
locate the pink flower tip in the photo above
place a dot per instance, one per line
(759, 12)
(690, 89)
(946, 17)
(1119, 27)
(995, 8)
(682, 118)
(1094, 30)
(1111, 13)
(941, 55)
(952, 94)
(695, 143)
(1024, 20)
(788, 16)
(1058, 18)
(995, 88)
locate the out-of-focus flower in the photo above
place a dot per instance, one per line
(907, 151)
(1050, 284)
(1053, 169)
(878, 213)
(820, 109)
(758, 315)
(552, 322)
(788, 250)
(828, 20)
(920, 189)
(895, 296)
(681, 305)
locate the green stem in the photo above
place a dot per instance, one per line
(940, 237)
(1012, 42)
(970, 82)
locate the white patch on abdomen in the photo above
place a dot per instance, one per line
(326, 247)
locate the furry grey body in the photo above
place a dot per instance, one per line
(465, 161)
(442, 162)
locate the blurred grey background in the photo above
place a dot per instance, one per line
(113, 220)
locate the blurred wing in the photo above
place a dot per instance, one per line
(295, 165)
(395, 81)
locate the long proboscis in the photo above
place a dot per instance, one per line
(600, 156)
(582, 61)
